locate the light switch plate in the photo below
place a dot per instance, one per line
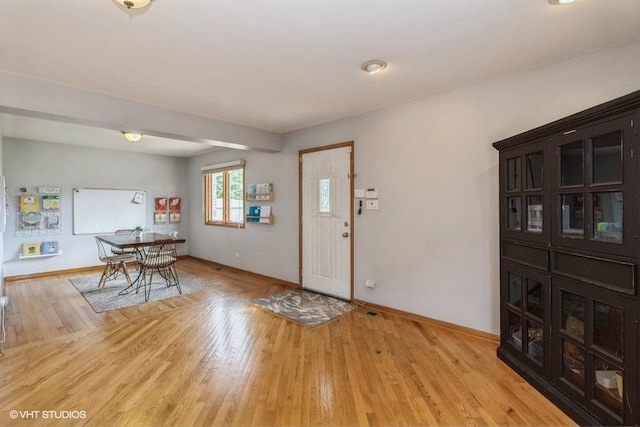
(358, 193)
(371, 193)
(372, 204)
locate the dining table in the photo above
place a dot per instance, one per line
(139, 243)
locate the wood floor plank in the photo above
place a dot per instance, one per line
(213, 358)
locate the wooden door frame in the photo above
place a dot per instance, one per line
(301, 153)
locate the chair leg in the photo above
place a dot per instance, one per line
(126, 273)
(174, 273)
(148, 291)
(103, 278)
(141, 279)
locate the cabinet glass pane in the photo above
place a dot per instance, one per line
(572, 219)
(608, 328)
(515, 330)
(573, 315)
(571, 164)
(513, 213)
(534, 171)
(515, 290)
(535, 347)
(606, 389)
(607, 158)
(513, 174)
(607, 216)
(534, 214)
(573, 364)
(535, 301)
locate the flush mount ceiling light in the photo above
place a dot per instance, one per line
(559, 2)
(134, 4)
(374, 66)
(132, 136)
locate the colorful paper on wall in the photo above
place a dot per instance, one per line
(29, 203)
(31, 249)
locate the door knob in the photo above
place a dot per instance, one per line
(345, 234)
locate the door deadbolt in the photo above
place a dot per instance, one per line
(345, 234)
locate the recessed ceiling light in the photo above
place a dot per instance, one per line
(132, 136)
(559, 2)
(374, 66)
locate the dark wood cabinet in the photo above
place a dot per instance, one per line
(569, 254)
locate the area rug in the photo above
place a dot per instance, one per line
(309, 308)
(107, 298)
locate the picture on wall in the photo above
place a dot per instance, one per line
(160, 211)
(174, 210)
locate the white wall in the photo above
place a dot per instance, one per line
(271, 250)
(34, 163)
(433, 247)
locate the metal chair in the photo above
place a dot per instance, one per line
(160, 259)
(113, 264)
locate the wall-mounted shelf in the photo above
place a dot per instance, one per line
(259, 214)
(266, 197)
(252, 219)
(259, 192)
(38, 256)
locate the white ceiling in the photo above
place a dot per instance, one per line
(282, 65)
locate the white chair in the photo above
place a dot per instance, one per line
(121, 251)
(113, 264)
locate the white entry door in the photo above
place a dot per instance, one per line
(326, 221)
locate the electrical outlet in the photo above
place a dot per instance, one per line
(4, 301)
(370, 284)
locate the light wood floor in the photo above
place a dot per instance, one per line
(212, 358)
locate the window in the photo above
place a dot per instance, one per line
(224, 194)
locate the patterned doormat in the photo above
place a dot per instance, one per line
(304, 307)
(107, 298)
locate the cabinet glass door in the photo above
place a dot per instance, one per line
(525, 313)
(572, 338)
(592, 212)
(523, 197)
(595, 357)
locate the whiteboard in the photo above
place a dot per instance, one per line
(100, 211)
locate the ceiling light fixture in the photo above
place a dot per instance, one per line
(374, 66)
(560, 2)
(132, 136)
(134, 4)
